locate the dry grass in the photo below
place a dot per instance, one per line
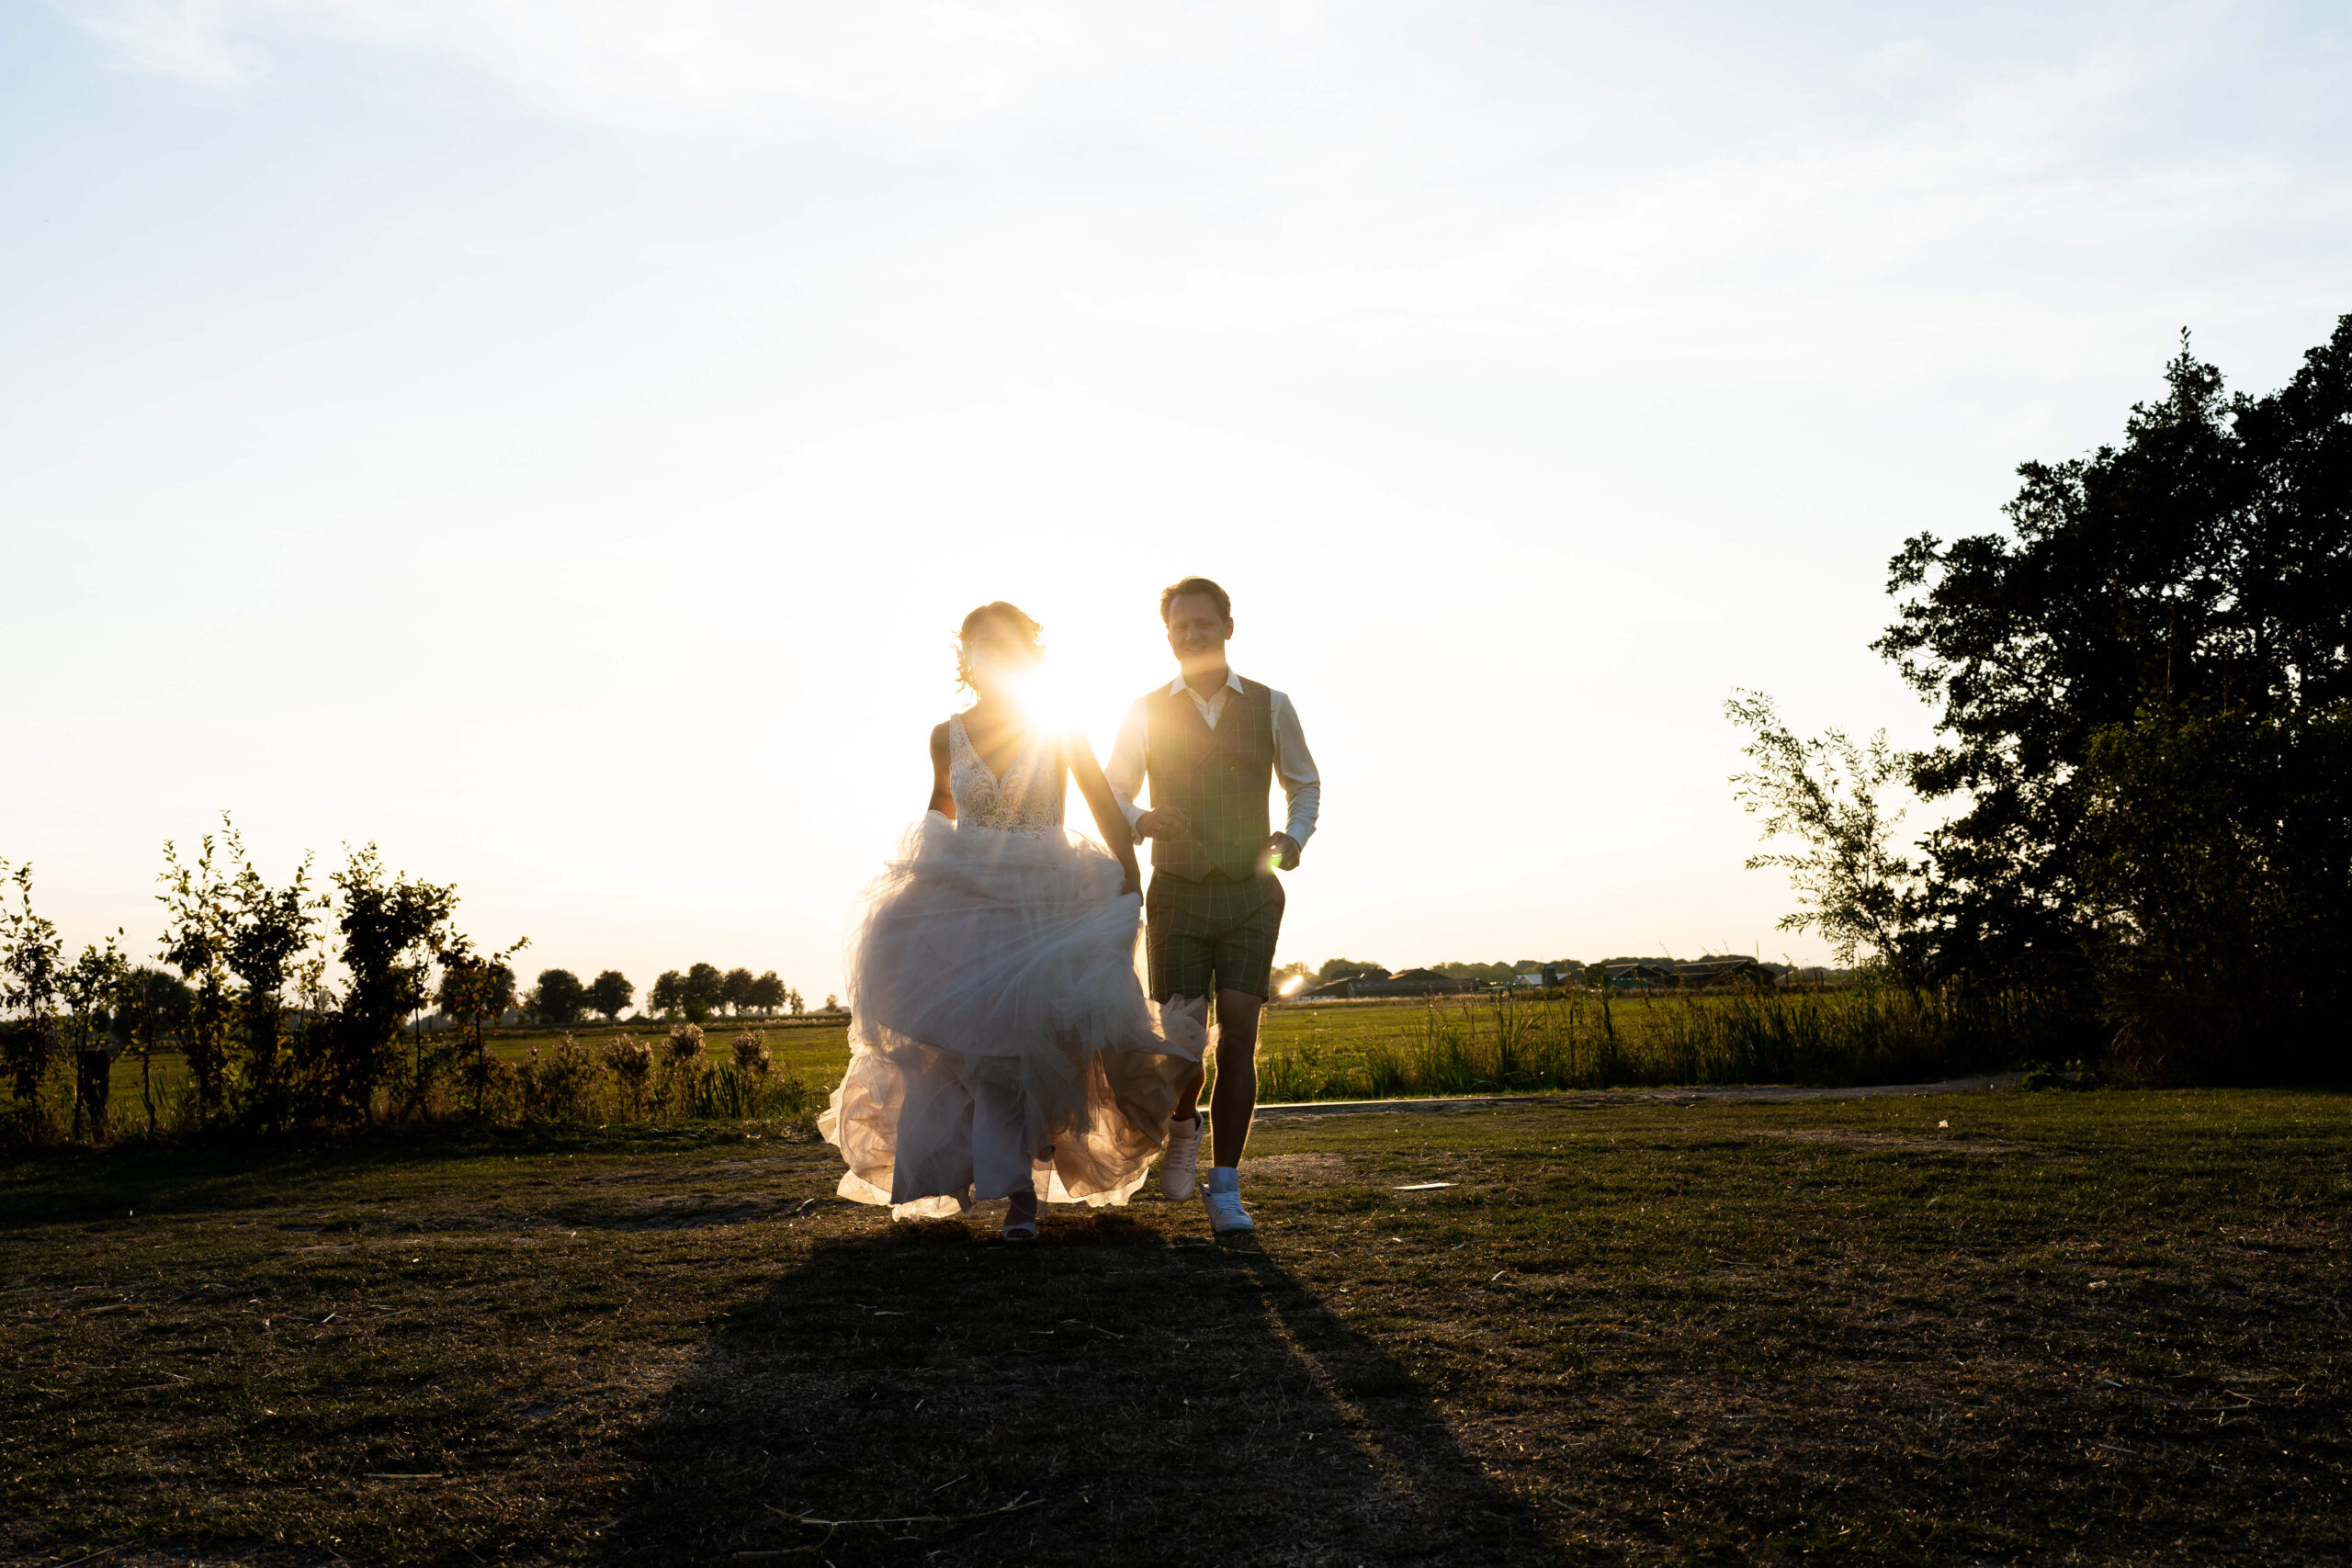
(2091, 1327)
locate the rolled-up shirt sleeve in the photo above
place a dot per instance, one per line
(1125, 768)
(1295, 766)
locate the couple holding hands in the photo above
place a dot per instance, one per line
(1001, 1042)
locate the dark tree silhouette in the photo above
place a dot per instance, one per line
(702, 991)
(735, 990)
(558, 998)
(610, 994)
(768, 993)
(668, 994)
(2198, 575)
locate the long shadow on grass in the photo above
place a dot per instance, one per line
(1127, 1401)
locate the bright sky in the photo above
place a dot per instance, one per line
(557, 439)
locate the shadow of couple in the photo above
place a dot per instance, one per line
(918, 1396)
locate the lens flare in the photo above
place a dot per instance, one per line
(1037, 694)
(1293, 985)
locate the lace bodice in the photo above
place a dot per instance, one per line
(1027, 799)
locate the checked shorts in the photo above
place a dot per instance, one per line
(1211, 935)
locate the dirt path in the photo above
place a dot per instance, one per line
(1597, 1099)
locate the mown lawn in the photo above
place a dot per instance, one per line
(2096, 1327)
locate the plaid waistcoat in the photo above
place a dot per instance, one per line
(1219, 777)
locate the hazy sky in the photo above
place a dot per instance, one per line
(555, 440)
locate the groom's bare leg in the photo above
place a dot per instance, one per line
(1235, 1099)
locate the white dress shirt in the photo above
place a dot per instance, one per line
(1294, 765)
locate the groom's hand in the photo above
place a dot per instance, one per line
(1168, 822)
(1283, 850)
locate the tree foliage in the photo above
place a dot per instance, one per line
(668, 993)
(31, 977)
(735, 989)
(1832, 795)
(2202, 566)
(390, 928)
(267, 927)
(769, 993)
(197, 902)
(2141, 687)
(558, 998)
(702, 992)
(610, 994)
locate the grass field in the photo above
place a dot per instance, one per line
(2092, 1327)
(1390, 1049)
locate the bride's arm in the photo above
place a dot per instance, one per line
(942, 799)
(1116, 835)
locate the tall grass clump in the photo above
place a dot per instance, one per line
(1881, 1032)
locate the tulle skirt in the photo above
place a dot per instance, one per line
(999, 1036)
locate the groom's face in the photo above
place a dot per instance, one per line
(1197, 632)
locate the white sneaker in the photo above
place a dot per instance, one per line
(1226, 1213)
(1179, 1167)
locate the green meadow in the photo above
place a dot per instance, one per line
(1388, 1049)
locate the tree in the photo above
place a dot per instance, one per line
(1490, 973)
(1832, 795)
(476, 989)
(267, 928)
(1305, 971)
(609, 994)
(2217, 868)
(701, 992)
(154, 1006)
(735, 989)
(94, 990)
(391, 928)
(31, 976)
(1346, 969)
(2203, 567)
(768, 993)
(196, 901)
(668, 993)
(558, 998)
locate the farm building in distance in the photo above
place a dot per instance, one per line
(1380, 983)
(1711, 974)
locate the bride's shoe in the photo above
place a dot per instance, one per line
(1179, 1167)
(1021, 1218)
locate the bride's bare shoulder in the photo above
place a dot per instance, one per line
(939, 740)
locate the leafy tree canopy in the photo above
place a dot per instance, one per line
(610, 994)
(558, 998)
(2203, 566)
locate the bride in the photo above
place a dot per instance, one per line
(1000, 1042)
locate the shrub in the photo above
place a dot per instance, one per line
(631, 1061)
(559, 1084)
(752, 1053)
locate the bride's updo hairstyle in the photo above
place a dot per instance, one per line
(1026, 633)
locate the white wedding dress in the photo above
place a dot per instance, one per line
(999, 1032)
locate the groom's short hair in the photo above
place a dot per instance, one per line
(1202, 585)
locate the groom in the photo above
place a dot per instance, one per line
(1211, 744)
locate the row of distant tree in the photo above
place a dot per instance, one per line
(704, 991)
(1501, 972)
(561, 999)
